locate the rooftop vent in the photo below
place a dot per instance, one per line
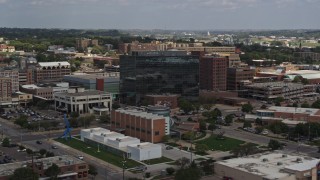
(265, 160)
(279, 163)
(299, 160)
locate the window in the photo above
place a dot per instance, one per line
(82, 167)
(117, 124)
(148, 132)
(137, 129)
(156, 133)
(127, 126)
(132, 128)
(142, 130)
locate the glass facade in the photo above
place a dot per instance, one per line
(159, 74)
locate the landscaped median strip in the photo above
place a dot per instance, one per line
(103, 155)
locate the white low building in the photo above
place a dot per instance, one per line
(122, 142)
(103, 137)
(144, 151)
(81, 101)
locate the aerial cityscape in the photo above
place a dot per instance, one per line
(160, 90)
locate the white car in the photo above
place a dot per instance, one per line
(80, 157)
(265, 132)
(22, 150)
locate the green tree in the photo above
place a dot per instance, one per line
(247, 124)
(6, 142)
(188, 135)
(258, 121)
(212, 126)
(247, 108)
(104, 118)
(42, 152)
(53, 171)
(185, 105)
(24, 174)
(22, 121)
(49, 154)
(93, 170)
(201, 148)
(202, 125)
(170, 170)
(207, 106)
(244, 150)
(29, 151)
(189, 173)
(228, 119)
(274, 144)
(166, 138)
(278, 127)
(305, 105)
(316, 104)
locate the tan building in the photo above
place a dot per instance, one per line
(70, 167)
(51, 71)
(145, 126)
(83, 43)
(26, 77)
(237, 75)
(45, 91)
(5, 89)
(268, 166)
(14, 76)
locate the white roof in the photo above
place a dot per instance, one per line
(139, 113)
(303, 166)
(271, 165)
(50, 64)
(144, 145)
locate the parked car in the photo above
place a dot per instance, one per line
(80, 157)
(54, 147)
(169, 147)
(38, 142)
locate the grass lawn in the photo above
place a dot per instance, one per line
(158, 160)
(103, 155)
(225, 144)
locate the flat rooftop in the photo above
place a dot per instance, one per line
(124, 139)
(275, 85)
(139, 113)
(85, 93)
(95, 76)
(144, 145)
(310, 111)
(271, 165)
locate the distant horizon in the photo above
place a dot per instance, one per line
(132, 29)
(161, 14)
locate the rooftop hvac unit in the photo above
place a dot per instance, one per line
(265, 160)
(279, 163)
(284, 155)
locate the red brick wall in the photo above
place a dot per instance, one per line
(100, 84)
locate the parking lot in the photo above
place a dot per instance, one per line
(34, 116)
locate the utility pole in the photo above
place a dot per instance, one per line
(123, 166)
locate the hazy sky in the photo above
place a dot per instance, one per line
(161, 14)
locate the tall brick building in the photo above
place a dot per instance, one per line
(51, 71)
(213, 72)
(145, 126)
(83, 43)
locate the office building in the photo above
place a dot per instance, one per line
(83, 43)
(81, 101)
(162, 111)
(235, 76)
(51, 71)
(70, 167)
(136, 123)
(270, 165)
(45, 91)
(106, 82)
(5, 89)
(14, 76)
(158, 72)
(213, 73)
(26, 76)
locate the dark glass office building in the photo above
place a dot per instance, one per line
(159, 72)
